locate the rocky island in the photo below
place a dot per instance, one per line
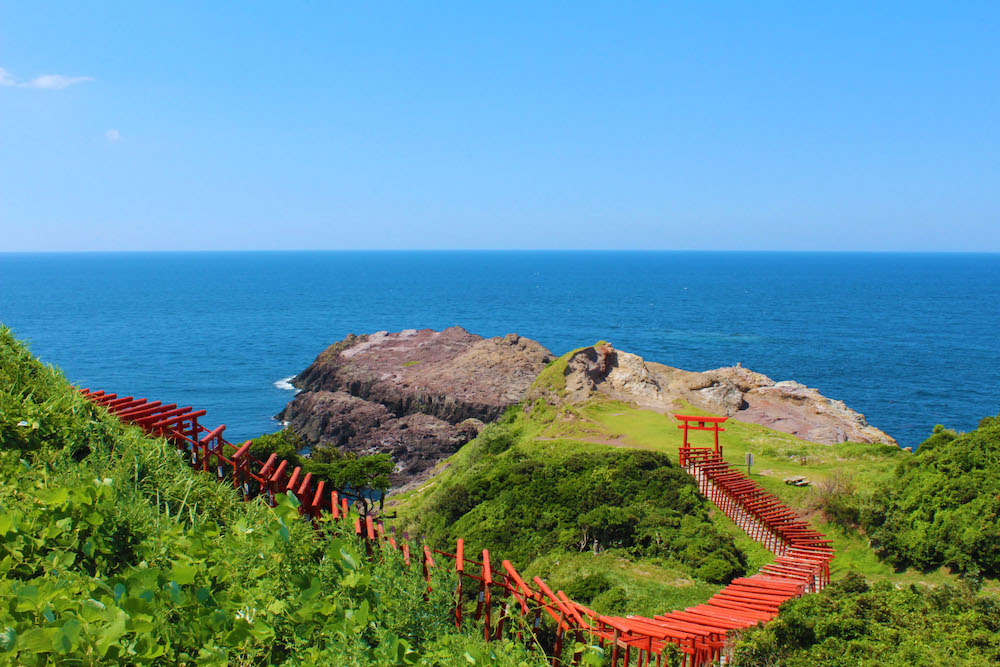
(420, 395)
(417, 395)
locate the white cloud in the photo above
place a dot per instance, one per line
(112, 135)
(43, 82)
(55, 81)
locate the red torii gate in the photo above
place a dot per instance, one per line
(690, 423)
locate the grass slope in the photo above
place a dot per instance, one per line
(113, 551)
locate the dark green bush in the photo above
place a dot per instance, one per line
(854, 624)
(941, 506)
(632, 500)
(285, 443)
(585, 589)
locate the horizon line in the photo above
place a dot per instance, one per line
(497, 250)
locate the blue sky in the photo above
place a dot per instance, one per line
(782, 126)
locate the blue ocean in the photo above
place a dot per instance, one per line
(910, 340)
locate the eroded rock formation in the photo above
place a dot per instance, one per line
(734, 391)
(418, 395)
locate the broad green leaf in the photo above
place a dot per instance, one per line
(349, 558)
(37, 640)
(473, 655)
(60, 642)
(27, 597)
(261, 631)
(110, 635)
(56, 496)
(183, 574)
(72, 629)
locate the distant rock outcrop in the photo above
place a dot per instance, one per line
(417, 395)
(733, 391)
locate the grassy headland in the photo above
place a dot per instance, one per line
(546, 433)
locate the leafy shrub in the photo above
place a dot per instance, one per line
(940, 508)
(585, 589)
(854, 624)
(285, 443)
(836, 497)
(524, 507)
(616, 601)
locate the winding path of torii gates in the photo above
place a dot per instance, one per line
(802, 563)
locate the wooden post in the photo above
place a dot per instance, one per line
(557, 649)
(428, 564)
(204, 455)
(487, 594)
(317, 502)
(460, 569)
(194, 430)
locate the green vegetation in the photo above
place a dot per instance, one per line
(112, 551)
(414, 362)
(854, 624)
(941, 506)
(619, 585)
(540, 503)
(492, 490)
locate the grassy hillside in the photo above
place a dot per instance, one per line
(112, 551)
(545, 503)
(485, 494)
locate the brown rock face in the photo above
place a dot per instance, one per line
(418, 395)
(734, 391)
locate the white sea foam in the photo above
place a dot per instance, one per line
(286, 383)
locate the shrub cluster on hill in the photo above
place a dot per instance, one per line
(112, 551)
(942, 506)
(854, 624)
(503, 497)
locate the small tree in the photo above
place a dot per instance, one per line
(361, 478)
(357, 477)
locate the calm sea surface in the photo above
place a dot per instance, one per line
(911, 340)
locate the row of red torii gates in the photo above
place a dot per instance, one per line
(702, 634)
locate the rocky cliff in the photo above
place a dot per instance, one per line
(417, 395)
(733, 391)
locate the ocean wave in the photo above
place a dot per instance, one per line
(286, 384)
